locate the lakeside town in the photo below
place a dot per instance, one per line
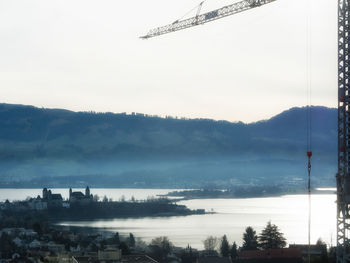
(81, 205)
(28, 234)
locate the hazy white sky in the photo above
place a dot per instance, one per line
(86, 55)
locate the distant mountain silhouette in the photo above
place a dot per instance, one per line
(52, 146)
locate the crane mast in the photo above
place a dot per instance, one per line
(343, 175)
(206, 17)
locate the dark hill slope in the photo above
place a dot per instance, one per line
(287, 131)
(65, 147)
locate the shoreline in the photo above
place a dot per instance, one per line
(232, 196)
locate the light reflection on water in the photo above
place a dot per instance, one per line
(232, 216)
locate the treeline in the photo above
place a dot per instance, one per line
(233, 192)
(38, 221)
(59, 133)
(98, 210)
(269, 238)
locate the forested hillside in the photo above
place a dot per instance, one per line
(59, 148)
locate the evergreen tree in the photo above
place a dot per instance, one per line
(224, 247)
(250, 239)
(103, 244)
(37, 228)
(271, 237)
(7, 247)
(124, 248)
(116, 238)
(321, 245)
(234, 251)
(93, 247)
(131, 240)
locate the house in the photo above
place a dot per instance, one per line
(19, 206)
(27, 233)
(37, 203)
(109, 255)
(213, 259)
(85, 259)
(56, 248)
(34, 244)
(8, 231)
(285, 255)
(18, 242)
(137, 259)
(64, 258)
(73, 237)
(316, 251)
(75, 250)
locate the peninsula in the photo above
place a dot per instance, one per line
(85, 206)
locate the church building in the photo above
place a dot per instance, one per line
(78, 198)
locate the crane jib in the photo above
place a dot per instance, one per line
(207, 17)
(211, 15)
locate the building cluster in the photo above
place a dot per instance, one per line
(50, 200)
(19, 245)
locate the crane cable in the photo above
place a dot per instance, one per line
(198, 7)
(308, 117)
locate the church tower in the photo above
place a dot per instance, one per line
(87, 192)
(45, 193)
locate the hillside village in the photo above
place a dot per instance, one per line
(20, 245)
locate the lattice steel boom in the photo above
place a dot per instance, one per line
(206, 17)
(343, 175)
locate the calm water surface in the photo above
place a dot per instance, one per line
(289, 212)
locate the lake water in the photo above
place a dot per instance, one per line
(289, 213)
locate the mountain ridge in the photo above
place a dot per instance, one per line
(54, 143)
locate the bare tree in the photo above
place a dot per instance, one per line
(211, 243)
(96, 198)
(160, 247)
